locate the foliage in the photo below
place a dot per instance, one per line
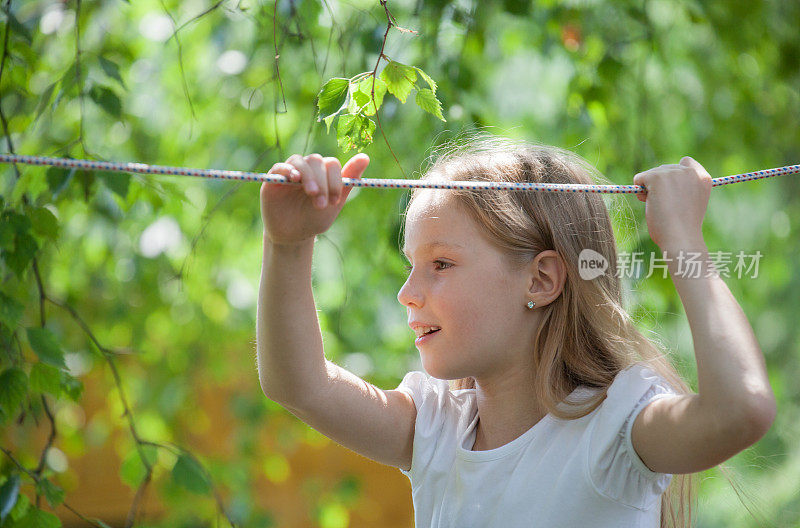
(363, 95)
(148, 284)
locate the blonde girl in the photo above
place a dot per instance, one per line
(540, 403)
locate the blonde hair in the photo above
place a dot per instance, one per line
(586, 336)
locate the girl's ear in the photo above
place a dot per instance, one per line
(547, 275)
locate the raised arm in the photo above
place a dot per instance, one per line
(292, 367)
(291, 363)
(735, 405)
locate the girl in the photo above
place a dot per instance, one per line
(561, 413)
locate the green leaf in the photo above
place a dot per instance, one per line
(363, 97)
(428, 102)
(332, 96)
(13, 388)
(44, 222)
(399, 79)
(328, 120)
(132, 470)
(10, 311)
(46, 346)
(25, 248)
(517, 7)
(345, 125)
(67, 82)
(352, 102)
(86, 179)
(31, 183)
(17, 28)
(428, 79)
(355, 131)
(58, 178)
(44, 100)
(117, 182)
(6, 235)
(21, 508)
(53, 493)
(45, 378)
(19, 222)
(344, 131)
(71, 386)
(366, 131)
(9, 492)
(36, 518)
(188, 473)
(112, 70)
(106, 99)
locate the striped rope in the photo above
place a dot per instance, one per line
(142, 168)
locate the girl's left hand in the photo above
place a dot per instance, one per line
(675, 202)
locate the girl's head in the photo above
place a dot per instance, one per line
(516, 246)
(471, 292)
(478, 257)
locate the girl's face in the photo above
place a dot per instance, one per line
(461, 283)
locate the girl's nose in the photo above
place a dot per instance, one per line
(409, 295)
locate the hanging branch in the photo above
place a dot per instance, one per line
(37, 478)
(37, 474)
(349, 102)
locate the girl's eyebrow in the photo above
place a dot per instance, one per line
(436, 244)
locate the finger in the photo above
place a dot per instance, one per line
(286, 169)
(315, 161)
(687, 161)
(310, 185)
(354, 168)
(334, 171)
(639, 179)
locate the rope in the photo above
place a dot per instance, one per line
(367, 182)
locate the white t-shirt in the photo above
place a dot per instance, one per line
(558, 474)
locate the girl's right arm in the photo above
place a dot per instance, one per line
(292, 367)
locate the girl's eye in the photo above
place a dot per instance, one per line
(444, 265)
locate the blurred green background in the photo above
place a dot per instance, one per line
(150, 282)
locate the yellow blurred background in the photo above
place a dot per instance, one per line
(94, 488)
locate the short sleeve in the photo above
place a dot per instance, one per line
(430, 397)
(615, 469)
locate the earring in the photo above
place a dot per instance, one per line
(531, 304)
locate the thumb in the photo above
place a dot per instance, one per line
(639, 179)
(686, 161)
(354, 168)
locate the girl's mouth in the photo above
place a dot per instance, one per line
(425, 337)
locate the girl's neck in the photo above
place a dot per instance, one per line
(506, 414)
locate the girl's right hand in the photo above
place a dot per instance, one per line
(295, 213)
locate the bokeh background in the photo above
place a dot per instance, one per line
(128, 388)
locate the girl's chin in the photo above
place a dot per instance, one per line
(433, 368)
(441, 371)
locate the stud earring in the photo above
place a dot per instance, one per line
(531, 304)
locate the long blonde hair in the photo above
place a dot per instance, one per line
(586, 336)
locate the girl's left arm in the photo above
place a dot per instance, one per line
(735, 405)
